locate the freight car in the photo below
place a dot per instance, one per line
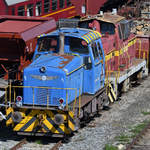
(18, 37)
(50, 8)
(63, 86)
(58, 8)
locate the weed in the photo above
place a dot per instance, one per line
(145, 113)
(123, 138)
(110, 147)
(138, 128)
(38, 141)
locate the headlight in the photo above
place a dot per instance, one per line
(16, 116)
(43, 69)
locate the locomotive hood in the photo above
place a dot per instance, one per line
(65, 63)
(49, 75)
(49, 66)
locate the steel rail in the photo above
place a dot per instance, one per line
(56, 146)
(139, 136)
(18, 145)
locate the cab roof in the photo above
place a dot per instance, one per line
(85, 34)
(106, 17)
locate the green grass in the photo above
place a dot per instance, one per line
(38, 141)
(145, 113)
(138, 128)
(122, 138)
(110, 147)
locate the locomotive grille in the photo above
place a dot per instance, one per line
(46, 96)
(41, 95)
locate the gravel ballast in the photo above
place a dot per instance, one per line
(123, 115)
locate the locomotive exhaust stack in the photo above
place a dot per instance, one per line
(61, 45)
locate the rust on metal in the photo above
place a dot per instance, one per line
(17, 146)
(67, 58)
(56, 146)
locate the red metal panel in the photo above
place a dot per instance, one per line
(92, 6)
(143, 48)
(18, 39)
(25, 28)
(43, 28)
(3, 7)
(17, 26)
(8, 17)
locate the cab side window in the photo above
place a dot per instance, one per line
(100, 50)
(94, 50)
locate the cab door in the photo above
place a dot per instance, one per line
(97, 67)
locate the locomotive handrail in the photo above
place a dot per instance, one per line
(147, 58)
(144, 52)
(140, 47)
(10, 96)
(42, 87)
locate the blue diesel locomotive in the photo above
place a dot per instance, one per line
(62, 87)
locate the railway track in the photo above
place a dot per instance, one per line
(24, 141)
(20, 144)
(141, 141)
(56, 146)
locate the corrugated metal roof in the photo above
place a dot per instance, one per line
(12, 2)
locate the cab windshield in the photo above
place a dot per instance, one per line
(78, 45)
(49, 44)
(107, 28)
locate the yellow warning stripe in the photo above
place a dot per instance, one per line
(86, 36)
(110, 97)
(9, 112)
(92, 35)
(111, 94)
(30, 123)
(59, 11)
(85, 39)
(119, 52)
(24, 122)
(92, 38)
(70, 124)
